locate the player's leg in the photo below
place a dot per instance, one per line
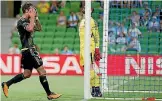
(27, 73)
(44, 82)
(26, 64)
(43, 79)
(94, 80)
(38, 65)
(95, 83)
(16, 79)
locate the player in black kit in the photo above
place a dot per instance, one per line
(26, 26)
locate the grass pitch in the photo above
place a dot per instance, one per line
(31, 89)
(70, 86)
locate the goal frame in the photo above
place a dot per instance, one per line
(103, 65)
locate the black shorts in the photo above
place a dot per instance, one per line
(30, 59)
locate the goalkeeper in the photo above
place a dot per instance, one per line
(94, 54)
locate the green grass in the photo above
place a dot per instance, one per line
(31, 89)
(140, 87)
(72, 88)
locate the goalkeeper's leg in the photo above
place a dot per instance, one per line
(95, 83)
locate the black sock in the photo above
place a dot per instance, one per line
(45, 85)
(15, 79)
(93, 89)
(97, 89)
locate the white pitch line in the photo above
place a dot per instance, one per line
(110, 89)
(124, 99)
(120, 83)
(135, 91)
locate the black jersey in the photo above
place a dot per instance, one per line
(26, 37)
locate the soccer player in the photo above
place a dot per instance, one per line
(95, 54)
(30, 59)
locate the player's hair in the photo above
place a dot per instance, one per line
(26, 6)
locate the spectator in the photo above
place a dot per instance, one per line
(54, 8)
(149, 13)
(66, 51)
(157, 11)
(61, 4)
(146, 14)
(135, 18)
(121, 29)
(112, 27)
(134, 45)
(154, 25)
(80, 14)
(111, 37)
(126, 4)
(140, 3)
(14, 49)
(15, 25)
(43, 7)
(121, 39)
(56, 51)
(61, 20)
(133, 32)
(156, 15)
(73, 20)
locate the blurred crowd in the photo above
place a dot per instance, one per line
(70, 22)
(119, 33)
(65, 51)
(53, 7)
(128, 36)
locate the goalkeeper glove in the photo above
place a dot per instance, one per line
(97, 55)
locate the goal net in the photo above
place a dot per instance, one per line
(131, 47)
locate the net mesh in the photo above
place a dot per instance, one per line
(131, 72)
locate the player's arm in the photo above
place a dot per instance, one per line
(97, 41)
(96, 34)
(38, 26)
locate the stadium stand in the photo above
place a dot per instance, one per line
(54, 36)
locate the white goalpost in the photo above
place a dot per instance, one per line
(103, 61)
(87, 50)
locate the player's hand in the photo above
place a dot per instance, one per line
(97, 55)
(32, 12)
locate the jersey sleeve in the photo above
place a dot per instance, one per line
(24, 24)
(95, 33)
